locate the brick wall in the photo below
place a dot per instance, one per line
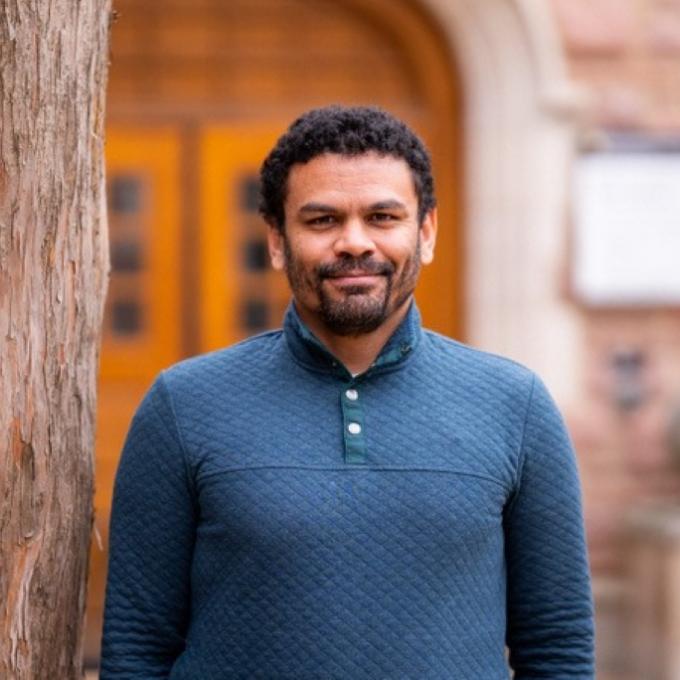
(627, 53)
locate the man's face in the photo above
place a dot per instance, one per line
(352, 246)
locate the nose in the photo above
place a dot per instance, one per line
(354, 240)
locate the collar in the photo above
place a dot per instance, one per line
(309, 351)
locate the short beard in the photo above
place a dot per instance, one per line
(359, 312)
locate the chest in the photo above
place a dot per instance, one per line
(286, 514)
(391, 422)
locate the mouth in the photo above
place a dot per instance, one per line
(355, 279)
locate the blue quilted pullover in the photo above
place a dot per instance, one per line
(275, 517)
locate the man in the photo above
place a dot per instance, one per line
(352, 496)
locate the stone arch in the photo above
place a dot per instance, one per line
(521, 119)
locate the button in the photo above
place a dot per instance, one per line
(352, 395)
(354, 428)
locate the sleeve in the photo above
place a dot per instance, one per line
(150, 547)
(549, 602)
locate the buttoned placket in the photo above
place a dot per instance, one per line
(353, 424)
(308, 349)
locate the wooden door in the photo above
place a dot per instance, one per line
(198, 92)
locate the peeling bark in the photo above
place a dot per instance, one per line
(53, 273)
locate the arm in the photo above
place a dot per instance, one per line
(550, 617)
(150, 548)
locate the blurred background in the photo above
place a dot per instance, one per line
(554, 127)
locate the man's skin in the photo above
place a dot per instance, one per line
(361, 211)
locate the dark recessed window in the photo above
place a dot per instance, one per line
(255, 256)
(126, 317)
(126, 256)
(255, 315)
(250, 193)
(125, 193)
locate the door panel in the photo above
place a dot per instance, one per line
(142, 325)
(240, 293)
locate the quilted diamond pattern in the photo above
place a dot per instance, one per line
(244, 546)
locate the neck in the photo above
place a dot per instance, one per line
(357, 352)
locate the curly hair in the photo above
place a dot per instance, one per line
(349, 131)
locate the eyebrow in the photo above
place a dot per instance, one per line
(391, 204)
(317, 208)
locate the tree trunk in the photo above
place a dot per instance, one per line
(53, 272)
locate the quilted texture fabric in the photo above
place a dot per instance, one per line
(244, 545)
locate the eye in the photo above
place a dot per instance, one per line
(382, 217)
(322, 221)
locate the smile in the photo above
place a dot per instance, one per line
(355, 279)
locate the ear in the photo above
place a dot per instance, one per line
(275, 239)
(428, 236)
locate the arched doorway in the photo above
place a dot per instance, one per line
(522, 120)
(198, 92)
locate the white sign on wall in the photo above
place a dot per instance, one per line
(627, 228)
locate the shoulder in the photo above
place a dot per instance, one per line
(253, 354)
(498, 385)
(477, 367)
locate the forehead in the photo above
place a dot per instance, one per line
(334, 177)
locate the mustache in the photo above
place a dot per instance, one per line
(354, 265)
